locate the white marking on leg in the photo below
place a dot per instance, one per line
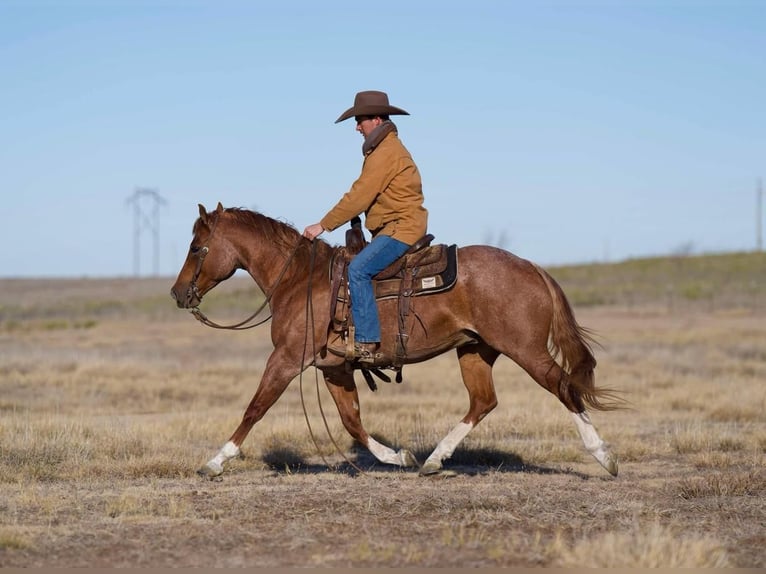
(382, 452)
(587, 431)
(227, 452)
(593, 443)
(448, 444)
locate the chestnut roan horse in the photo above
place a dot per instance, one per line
(500, 304)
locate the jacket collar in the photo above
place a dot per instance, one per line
(376, 136)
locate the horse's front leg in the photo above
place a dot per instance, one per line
(342, 387)
(280, 370)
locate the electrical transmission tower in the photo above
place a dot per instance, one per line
(146, 216)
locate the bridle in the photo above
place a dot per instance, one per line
(193, 289)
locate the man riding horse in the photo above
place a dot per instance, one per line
(390, 193)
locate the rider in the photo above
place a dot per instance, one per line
(390, 194)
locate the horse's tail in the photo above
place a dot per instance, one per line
(573, 343)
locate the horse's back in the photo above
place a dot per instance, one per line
(483, 267)
(501, 290)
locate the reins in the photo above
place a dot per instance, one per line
(310, 328)
(242, 325)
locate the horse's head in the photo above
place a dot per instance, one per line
(211, 259)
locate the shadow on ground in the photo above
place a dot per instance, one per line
(465, 461)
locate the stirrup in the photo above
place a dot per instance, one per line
(365, 356)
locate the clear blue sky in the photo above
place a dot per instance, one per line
(565, 131)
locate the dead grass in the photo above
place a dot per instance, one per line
(651, 546)
(102, 428)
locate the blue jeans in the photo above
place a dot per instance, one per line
(374, 258)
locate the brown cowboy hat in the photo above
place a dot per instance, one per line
(371, 103)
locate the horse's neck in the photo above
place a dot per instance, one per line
(273, 266)
(264, 261)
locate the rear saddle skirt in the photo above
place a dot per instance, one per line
(423, 270)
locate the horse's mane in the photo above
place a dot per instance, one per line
(283, 235)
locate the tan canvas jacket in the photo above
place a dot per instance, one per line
(388, 191)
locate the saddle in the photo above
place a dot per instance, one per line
(423, 270)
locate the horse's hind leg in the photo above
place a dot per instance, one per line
(476, 362)
(549, 375)
(343, 390)
(593, 442)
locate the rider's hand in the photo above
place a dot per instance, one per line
(313, 231)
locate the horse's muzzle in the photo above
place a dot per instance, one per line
(185, 298)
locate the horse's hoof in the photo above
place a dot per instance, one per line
(209, 473)
(408, 459)
(606, 458)
(430, 468)
(610, 464)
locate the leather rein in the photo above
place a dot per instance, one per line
(242, 325)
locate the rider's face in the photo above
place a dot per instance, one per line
(365, 124)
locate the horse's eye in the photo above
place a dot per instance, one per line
(194, 249)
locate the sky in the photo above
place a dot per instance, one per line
(564, 131)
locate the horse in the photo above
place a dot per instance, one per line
(499, 304)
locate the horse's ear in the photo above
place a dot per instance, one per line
(202, 213)
(219, 209)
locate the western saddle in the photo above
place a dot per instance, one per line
(424, 269)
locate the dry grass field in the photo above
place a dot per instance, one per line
(110, 399)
